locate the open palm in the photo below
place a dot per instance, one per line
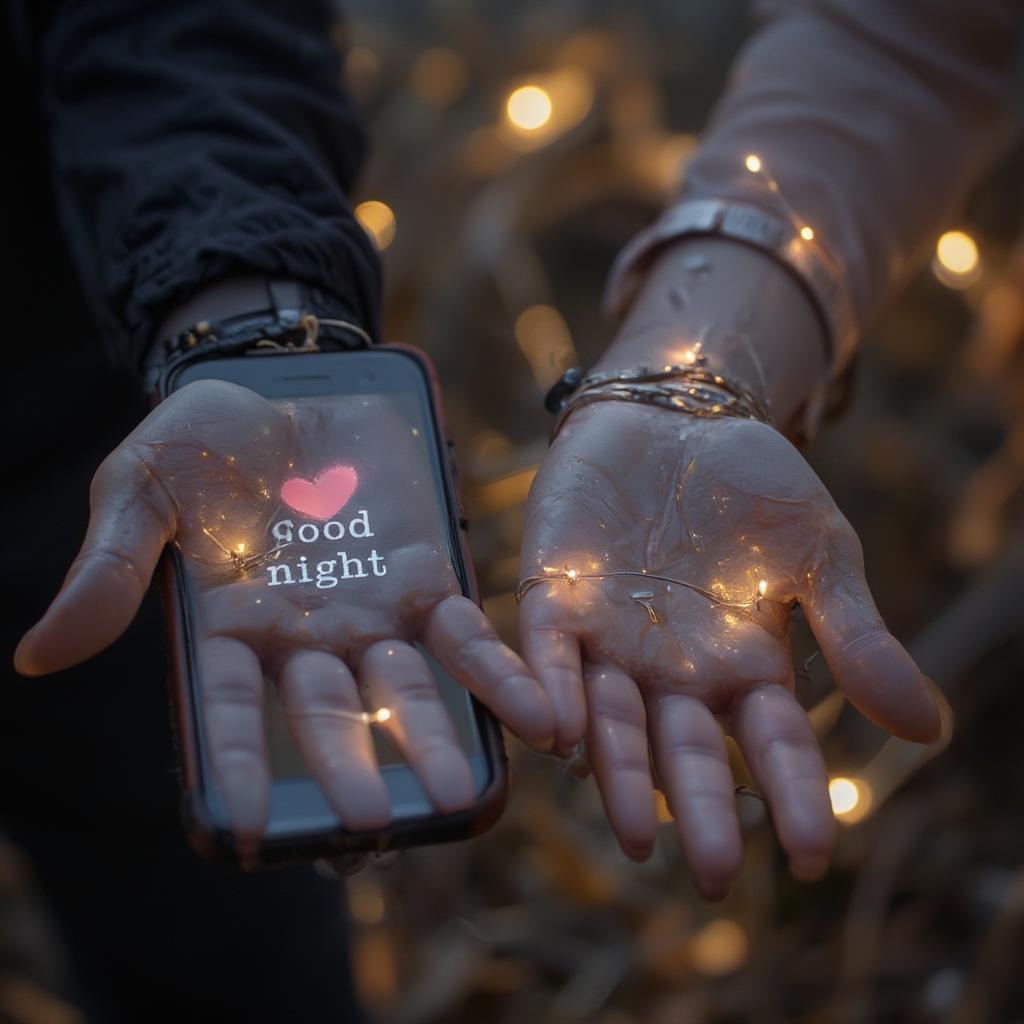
(326, 600)
(739, 529)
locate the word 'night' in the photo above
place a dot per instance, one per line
(328, 572)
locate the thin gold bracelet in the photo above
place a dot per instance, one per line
(693, 390)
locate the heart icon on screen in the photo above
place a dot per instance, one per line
(323, 497)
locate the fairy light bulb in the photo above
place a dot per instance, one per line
(957, 262)
(807, 233)
(719, 948)
(762, 588)
(529, 107)
(382, 715)
(957, 252)
(572, 575)
(753, 163)
(850, 799)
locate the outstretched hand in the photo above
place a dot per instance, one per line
(649, 671)
(276, 596)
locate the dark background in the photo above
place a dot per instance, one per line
(544, 921)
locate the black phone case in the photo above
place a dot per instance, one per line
(212, 840)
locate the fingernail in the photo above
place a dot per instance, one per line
(808, 869)
(23, 658)
(246, 811)
(362, 806)
(449, 780)
(944, 711)
(638, 853)
(713, 892)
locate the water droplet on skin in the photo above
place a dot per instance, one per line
(698, 266)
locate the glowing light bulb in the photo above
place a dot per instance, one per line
(850, 798)
(378, 221)
(529, 107)
(957, 252)
(762, 588)
(753, 163)
(240, 548)
(807, 233)
(382, 715)
(957, 263)
(571, 575)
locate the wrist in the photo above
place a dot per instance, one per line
(226, 298)
(240, 313)
(736, 307)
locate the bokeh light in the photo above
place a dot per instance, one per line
(528, 108)
(378, 221)
(544, 339)
(720, 947)
(851, 799)
(957, 262)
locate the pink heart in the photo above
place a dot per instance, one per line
(323, 497)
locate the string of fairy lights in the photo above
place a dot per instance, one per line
(242, 562)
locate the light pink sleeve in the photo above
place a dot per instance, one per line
(874, 117)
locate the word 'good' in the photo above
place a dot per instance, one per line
(285, 531)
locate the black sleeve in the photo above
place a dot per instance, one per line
(192, 140)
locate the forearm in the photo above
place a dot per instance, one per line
(192, 143)
(869, 122)
(873, 118)
(740, 309)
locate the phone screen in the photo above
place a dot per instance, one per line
(328, 519)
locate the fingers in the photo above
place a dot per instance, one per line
(131, 519)
(553, 656)
(319, 697)
(869, 664)
(617, 743)
(693, 768)
(231, 687)
(458, 634)
(778, 743)
(395, 675)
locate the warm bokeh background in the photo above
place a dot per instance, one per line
(496, 240)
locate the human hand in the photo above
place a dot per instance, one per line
(721, 504)
(207, 471)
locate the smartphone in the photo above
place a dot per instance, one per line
(302, 825)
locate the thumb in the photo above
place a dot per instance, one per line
(131, 518)
(867, 662)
